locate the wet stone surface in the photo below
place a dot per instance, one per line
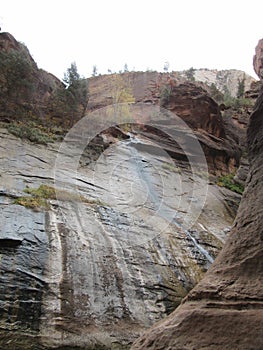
(23, 252)
(94, 270)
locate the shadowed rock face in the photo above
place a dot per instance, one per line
(225, 310)
(191, 103)
(202, 114)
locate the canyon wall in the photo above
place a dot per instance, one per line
(225, 310)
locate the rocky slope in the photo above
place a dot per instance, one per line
(224, 311)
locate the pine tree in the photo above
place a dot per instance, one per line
(71, 74)
(241, 87)
(71, 101)
(94, 71)
(190, 74)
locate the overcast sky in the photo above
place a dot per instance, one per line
(142, 33)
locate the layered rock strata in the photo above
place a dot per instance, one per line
(225, 310)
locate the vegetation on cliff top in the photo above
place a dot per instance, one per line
(28, 91)
(17, 80)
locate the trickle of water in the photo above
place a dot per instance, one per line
(163, 210)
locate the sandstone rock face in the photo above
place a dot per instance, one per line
(97, 272)
(224, 311)
(14, 94)
(187, 100)
(191, 103)
(202, 114)
(258, 59)
(146, 86)
(8, 43)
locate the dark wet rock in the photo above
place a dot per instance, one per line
(10, 242)
(23, 250)
(96, 274)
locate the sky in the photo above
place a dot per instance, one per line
(144, 34)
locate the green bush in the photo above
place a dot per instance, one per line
(32, 202)
(165, 94)
(43, 191)
(17, 81)
(190, 74)
(38, 197)
(171, 167)
(228, 182)
(31, 132)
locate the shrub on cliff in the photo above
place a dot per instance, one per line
(32, 132)
(190, 74)
(70, 102)
(17, 83)
(228, 182)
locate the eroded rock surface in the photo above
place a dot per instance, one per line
(192, 103)
(258, 59)
(222, 137)
(15, 93)
(96, 270)
(225, 310)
